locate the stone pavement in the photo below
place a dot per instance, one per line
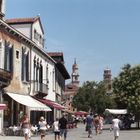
(80, 134)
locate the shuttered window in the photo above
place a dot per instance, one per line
(8, 58)
(40, 74)
(25, 65)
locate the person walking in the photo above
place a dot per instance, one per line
(63, 126)
(101, 123)
(96, 123)
(89, 124)
(56, 129)
(42, 127)
(115, 127)
(25, 125)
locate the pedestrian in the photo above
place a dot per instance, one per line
(115, 127)
(56, 129)
(42, 127)
(63, 126)
(25, 125)
(101, 123)
(96, 123)
(89, 124)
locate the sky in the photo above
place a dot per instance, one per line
(100, 34)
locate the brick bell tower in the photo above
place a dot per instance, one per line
(108, 80)
(2, 8)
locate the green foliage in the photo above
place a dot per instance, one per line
(92, 97)
(126, 88)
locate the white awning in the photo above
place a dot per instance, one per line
(116, 111)
(29, 101)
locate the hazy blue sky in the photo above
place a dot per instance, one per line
(99, 33)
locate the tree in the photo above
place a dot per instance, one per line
(92, 97)
(126, 88)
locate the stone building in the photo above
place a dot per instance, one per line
(27, 72)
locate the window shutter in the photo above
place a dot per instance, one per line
(27, 67)
(22, 67)
(40, 74)
(5, 55)
(11, 58)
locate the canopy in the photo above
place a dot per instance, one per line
(3, 106)
(116, 111)
(29, 101)
(52, 104)
(81, 113)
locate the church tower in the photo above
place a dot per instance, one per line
(2, 8)
(75, 74)
(108, 80)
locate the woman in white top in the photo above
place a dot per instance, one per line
(43, 127)
(115, 126)
(56, 129)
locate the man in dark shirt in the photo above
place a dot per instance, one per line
(89, 124)
(63, 126)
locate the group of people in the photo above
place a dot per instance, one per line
(59, 127)
(97, 121)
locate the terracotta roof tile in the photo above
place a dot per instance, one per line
(22, 20)
(55, 54)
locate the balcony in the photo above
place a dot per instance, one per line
(5, 77)
(41, 89)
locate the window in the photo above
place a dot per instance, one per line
(47, 72)
(38, 37)
(53, 80)
(8, 58)
(17, 54)
(35, 35)
(40, 73)
(25, 65)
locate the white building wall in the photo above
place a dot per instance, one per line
(36, 26)
(24, 29)
(51, 91)
(45, 62)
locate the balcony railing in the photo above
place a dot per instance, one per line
(5, 77)
(41, 88)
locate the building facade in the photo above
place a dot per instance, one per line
(28, 75)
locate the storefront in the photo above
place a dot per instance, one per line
(18, 104)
